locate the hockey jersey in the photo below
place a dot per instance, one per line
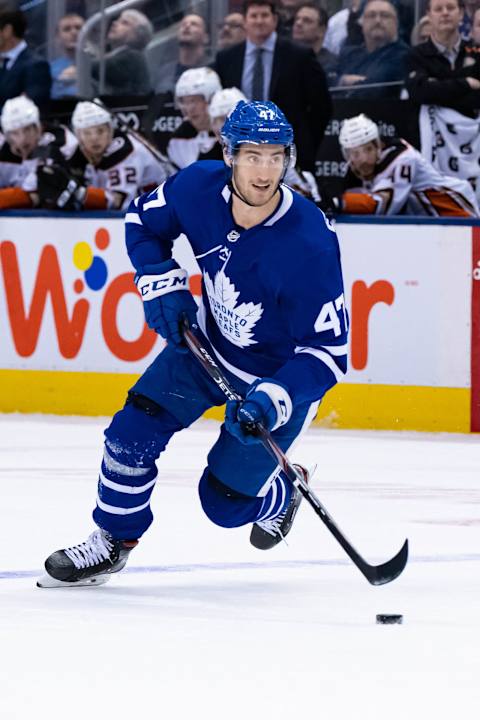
(406, 183)
(126, 169)
(16, 172)
(188, 145)
(272, 295)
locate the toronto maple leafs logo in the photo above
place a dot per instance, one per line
(236, 322)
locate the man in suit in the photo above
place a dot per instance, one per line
(445, 70)
(267, 67)
(22, 72)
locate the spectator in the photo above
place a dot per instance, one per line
(309, 28)
(126, 70)
(286, 11)
(192, 38)
(21, 71)
(421, 31)
(393, 178)
(63, 68)
(26, 142)
(267, 67)
(381, 58)
(344, 28)
(476, 28)
(465, 28)
(193, 139)
(231, 30)
(445, 70)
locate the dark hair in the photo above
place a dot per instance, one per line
(322, 13)
(272, 4)
(16, 19)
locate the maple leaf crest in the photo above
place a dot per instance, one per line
(236, 322)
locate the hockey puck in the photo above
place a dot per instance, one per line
(389, 619)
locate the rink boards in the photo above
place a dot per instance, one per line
(73, 338)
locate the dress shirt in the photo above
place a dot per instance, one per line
(13, 54)
(450, 53)
(268, 48)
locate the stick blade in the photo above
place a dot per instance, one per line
(383, 574)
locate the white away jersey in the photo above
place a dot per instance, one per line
(126, 168)
(409, 185)
(272, 295)
(15, 172)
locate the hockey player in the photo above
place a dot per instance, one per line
(25, 143)
(392, 178)
(108, 169)
(272, 314)
(193, 139)
(220, 106)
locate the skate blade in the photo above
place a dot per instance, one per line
(47, 581)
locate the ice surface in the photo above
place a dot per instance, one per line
(204, 626)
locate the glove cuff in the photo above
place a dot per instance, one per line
(280, 400)
(153, 286)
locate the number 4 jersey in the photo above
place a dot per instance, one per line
(272, 295)
(406, 183)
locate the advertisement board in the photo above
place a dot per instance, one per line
(70, 316)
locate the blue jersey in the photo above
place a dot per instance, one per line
(272, 295)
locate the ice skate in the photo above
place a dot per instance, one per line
(268, 533)
(89, 563)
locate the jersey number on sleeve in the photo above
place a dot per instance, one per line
(330, 316)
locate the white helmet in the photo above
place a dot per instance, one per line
(19, 112)
(198, 81)
(357, 131)
(88, 114)
(223, 102)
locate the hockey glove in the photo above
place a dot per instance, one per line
(330, 203)
(267, 402)
(57, 189)
(166, 299)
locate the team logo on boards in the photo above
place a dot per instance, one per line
(236, 322)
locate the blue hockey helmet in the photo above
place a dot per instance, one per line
(257, 122)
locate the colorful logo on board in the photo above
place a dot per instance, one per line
(94, 268)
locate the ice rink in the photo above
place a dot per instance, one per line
(202, 625)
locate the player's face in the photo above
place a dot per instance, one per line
(363, 159)
(95, 140)
(216, 124)
(194, 108)
(24, 140)
(257, 170)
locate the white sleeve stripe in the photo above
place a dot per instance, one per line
(337, 350)
(119, 510)
(133, 218)
(325, 358)
(159, 202)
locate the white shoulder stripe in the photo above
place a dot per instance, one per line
(160, 199)
(133, 218)
(325, 358)
(285, 206)
(337, 350)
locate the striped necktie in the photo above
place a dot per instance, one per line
(257, 80)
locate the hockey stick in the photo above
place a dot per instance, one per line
(375, 574)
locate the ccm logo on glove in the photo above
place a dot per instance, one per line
(153, 286)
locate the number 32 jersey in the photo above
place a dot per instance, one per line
(126, 168)
(272, 295)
